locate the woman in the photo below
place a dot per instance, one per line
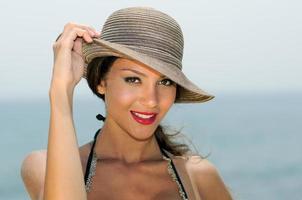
(134, 65)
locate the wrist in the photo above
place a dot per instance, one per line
(61, 100)
(60, 88)
(61, 92)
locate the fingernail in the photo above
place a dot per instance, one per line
(92, 33)
(90, 40)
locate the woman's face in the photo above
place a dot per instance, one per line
(136, 98)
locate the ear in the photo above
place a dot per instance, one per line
(101, 88)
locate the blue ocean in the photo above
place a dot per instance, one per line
(254, 140)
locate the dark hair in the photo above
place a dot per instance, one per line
(97, 70)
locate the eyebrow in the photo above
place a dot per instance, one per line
(140, 73)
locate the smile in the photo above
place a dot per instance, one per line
(143, 117)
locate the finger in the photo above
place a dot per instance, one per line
(67, 40)
(58, 37)
(76, 32)
(91, 30)
(69, 26)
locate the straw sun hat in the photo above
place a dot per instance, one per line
(150, 37)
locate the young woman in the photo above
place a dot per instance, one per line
(134, 66)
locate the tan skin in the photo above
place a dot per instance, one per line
(131, 161)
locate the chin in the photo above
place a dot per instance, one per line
(142, 134)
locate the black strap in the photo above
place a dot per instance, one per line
(176, 173)
(90, 156)
(101, 118)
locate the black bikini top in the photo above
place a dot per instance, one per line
(100, 117)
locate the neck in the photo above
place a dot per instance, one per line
(115, 144)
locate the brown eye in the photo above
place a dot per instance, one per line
(132, 80)
(167, 82)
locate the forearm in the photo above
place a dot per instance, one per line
(64, 176)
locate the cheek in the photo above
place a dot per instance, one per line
(167, 97)
(118, 95)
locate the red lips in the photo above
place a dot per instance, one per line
(144, 121)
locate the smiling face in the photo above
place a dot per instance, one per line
(136, 98)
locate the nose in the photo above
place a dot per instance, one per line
(149, 97)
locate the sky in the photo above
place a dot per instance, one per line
(230, 46)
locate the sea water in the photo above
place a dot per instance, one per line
(254, 140)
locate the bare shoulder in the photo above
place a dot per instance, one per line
(33, 169)
(205, 175)
(33, 172)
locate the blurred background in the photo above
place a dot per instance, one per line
(246, 53)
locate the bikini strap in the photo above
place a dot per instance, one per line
(165, 153)
(88, 165)
(90, 156)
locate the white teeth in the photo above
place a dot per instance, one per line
(143, 116)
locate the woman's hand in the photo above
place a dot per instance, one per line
(68, 66)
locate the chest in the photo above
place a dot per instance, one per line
(149, 182)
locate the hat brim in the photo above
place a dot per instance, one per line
(188, 92)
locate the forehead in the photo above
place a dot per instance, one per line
(120, 64)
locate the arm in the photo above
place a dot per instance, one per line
(64, 176)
